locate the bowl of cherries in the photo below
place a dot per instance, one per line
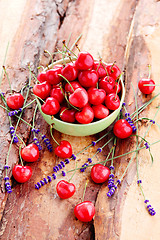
(80, 96)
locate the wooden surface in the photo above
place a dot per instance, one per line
(108, 27)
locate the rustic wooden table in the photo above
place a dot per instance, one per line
(127, 31)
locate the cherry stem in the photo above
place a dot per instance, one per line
(68, 100)
(43, 68)
(85, 189)
(77, 47)
(149, 69)
(51, 57)
(74, 44)
(113, 66)
(33, 75)
(51, 127)
(73, 173)
(7, 78)
(66, 81)
(20, 155)
(68, 48)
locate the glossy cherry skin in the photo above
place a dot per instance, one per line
(56, 93)
(51, 106)
(41, 76)
(113, 71)
(96, 96)
(22, 173)
(112, 101)
(97, 66)
(122, 129)
(107, 83)
(15, 101)
(75, 85)
(52, 75)
(146, 89)
(100, 173)
(79, 98)
(84, 61)
(42, 90)
(70, 72)
(84, 211)
(67, 115)
(88, 78)
(64, 150)
(85, 116)
(65, 189)
(100, 111)
(30, 153)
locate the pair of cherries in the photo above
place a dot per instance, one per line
(85, 210)
(30, 153)
(78, 82)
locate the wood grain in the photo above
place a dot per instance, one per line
(38, 25)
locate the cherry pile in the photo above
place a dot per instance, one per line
(80, 91)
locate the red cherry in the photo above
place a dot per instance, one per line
(30, 153)
(85, 116)
(64, 150)
(52, 76)
(65, 189)
(108, 84)
(100, 69)
(75, 85)
(22, 173)
(56, 93)
(79, 98)
(70, 72)
(84, 211)
(84, 61)
(15, 101)
(96, 96)
(67, 115)
(100, 111)
(41, 77)
(88, 78)
(42, 90)
(100, 173)
(122, 129)
(112, 101)
(146, 89)
(51, 106)
(113, 71)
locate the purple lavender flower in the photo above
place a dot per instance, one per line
(37, 143)
(13, 134)
(7, 184)
(150, 209)
(15, 112)
(47, 142)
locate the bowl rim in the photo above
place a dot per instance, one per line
(67, 60)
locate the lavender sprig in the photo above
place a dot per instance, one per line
(47, 142)
(13, 134)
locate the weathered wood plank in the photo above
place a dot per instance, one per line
(124, 216)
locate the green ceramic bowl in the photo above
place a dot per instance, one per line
(75, 129)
